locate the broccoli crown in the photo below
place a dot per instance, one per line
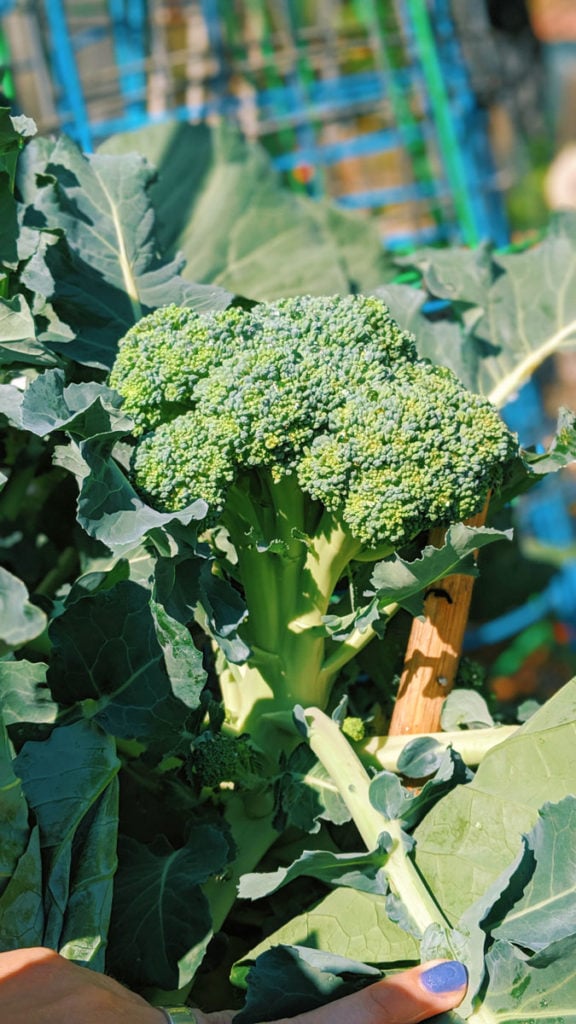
(330, 390)
(217, 758)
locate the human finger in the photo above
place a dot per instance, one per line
(404, 998)
(37, 986)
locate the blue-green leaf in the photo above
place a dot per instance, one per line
(465, 709)
(109, 509)
(182, 658)
(420, 757)
(399, 581)
(107, 663)
(295, 979)
(546, 911)
(70, 784)
(15, 832)
(104, 273)
(161, 917)
(20, 621)
(24, 693)
(237, 227)
(21, 903)
(357, 871)
(18, 340)
(84, 410)
(182, 585)
(540, 988)
(474, 834)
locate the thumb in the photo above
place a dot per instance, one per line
(404, 998)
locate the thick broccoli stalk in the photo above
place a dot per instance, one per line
(318, 438)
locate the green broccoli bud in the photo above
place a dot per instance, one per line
(354, 729)
(218, 759)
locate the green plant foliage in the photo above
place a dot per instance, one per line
(57, 877)
(546, 910)
(489, 333)
(399, 580)
(125, 632)
(466, 843)
(300, 976)
(347, 923)
(539, 987)
(158, 892)
(507, 889)
(24, 693)
(219, 203)
(21, 620)
(94, 255)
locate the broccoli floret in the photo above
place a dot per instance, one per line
(317, 437)
(217, 758)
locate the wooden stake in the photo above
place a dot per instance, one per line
(433, 650)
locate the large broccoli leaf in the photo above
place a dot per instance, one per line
(18, 335)
(108, 664)
(102, 270)
(296, 979)
(161, 919)
(468, 839)
(24, 694)
(21, 621)
(546, 910)
(514, 309)
(521, 989)
(58, 842)
(219, 202)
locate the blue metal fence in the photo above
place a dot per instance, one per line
(407, 94)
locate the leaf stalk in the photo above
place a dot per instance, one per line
(353, 782)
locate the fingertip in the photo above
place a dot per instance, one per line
(444, 978)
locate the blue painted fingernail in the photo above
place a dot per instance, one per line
(446, 977)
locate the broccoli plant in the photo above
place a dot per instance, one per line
(185, 563)
(151, 654)
(318, 440)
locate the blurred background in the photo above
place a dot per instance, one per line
(446, 121)
(439, 117)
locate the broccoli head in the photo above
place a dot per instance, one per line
(327, 392)
(217, 759)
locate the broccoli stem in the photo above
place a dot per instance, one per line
(346, 771)
(291, 555)
(253, 837)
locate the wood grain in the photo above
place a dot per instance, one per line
(433, 650)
